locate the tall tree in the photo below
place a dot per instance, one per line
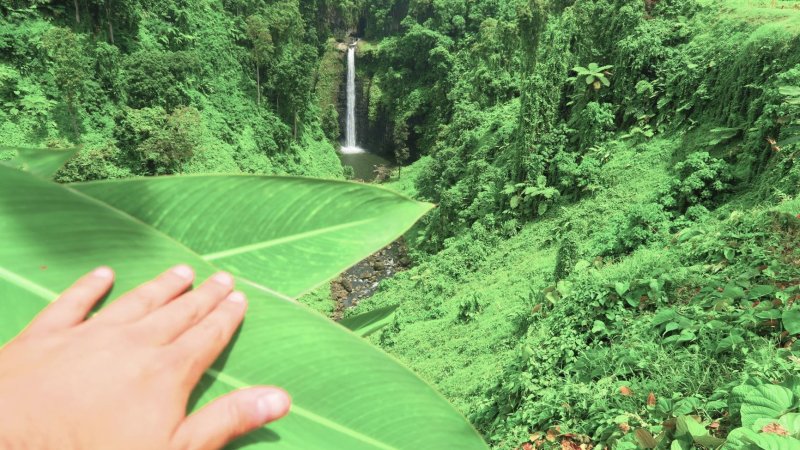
(258, 32)
(110, 23)
(532, 17)
(70, 65)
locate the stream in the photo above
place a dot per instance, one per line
(362, 280)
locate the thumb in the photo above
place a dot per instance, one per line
(231, 416)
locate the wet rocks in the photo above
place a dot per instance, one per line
(363, 279)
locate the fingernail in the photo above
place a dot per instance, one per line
(223, 278)
(183, 271)
(236, 297)
(271, 406)
(103, 272)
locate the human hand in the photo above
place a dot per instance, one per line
(121, 380)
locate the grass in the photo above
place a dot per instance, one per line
(771, 16)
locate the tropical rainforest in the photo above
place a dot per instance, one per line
(613, 258)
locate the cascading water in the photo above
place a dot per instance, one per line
(350, 146)
(362, 162)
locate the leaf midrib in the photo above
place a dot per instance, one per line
(282, 240)
(234, 383)
(28, 285)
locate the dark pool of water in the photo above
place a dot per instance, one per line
(363, 164)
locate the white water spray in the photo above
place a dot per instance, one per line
(350, 146)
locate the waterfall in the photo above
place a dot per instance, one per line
(350, 145)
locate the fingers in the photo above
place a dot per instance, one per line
(150, 296)
(75, 303)
(201, 345)
(170, 321)
(231, 416)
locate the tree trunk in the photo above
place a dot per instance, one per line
(73, 115)
(258, 85)
(77, 11)
(110, 25)
(295, 125)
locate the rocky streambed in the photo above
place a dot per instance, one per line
(363, 279)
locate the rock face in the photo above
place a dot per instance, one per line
(363, 279)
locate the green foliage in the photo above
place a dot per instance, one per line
(667, 314)
(768, 415)
(642, 224)
(566, 257)
(160, 143)
(159, 79)
(592, 125)
(701, 180)
(593, 75)
(659, 261)
(74, 78)
(70, 69)
(328, 85)
(469, 309)
(531, 199)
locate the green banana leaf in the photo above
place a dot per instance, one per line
(40, 162)
(288, 234)
(347, 394)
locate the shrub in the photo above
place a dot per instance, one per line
(578, 174)
(702, 179)
(592, 124)
(156, 78)
(566, 257)
(642, 224)
(157, 142)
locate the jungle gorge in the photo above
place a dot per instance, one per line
(613, 258)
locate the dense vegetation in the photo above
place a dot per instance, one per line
(615, 246)
(614, 257)
(153, 87)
